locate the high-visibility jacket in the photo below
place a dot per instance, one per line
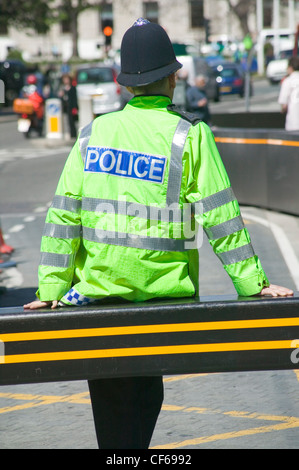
(135, 187)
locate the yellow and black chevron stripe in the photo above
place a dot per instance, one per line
(76, 345)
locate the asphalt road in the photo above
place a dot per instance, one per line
(264, 98)
(206, 411)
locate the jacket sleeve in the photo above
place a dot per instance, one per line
(217, 211)
(62, 231)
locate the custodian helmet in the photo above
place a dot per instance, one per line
(147, 55)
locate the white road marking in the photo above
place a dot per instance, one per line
(16, 228)
(14, 278)
(41, 209)
(9, 154)
(283, 243)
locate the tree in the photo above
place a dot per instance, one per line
(69, 11)
(39, 15)
(241, 9)
(35, 14)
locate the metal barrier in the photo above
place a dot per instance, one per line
(210, 334)
(263, 166)
(250, 120)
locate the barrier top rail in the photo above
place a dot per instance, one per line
(207, 334)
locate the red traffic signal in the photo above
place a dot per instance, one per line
(107, 31)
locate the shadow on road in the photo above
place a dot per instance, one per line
(17, 297)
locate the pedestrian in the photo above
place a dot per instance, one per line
(52, 82)
(68, 94)
(4, 248)
(105, 239)
(31, 92)
(197, 101)
(289, 95)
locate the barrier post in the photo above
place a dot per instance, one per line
(166, 337)
(54, 119)
(2, 92)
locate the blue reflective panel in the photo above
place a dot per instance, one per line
(126, 164)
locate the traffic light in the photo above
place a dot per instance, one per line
(107, 28)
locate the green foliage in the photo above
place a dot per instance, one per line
(15, 54)
(39, 15)
(35, 14)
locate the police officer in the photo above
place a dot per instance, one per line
(117, 226)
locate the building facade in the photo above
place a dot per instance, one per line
(186, 21)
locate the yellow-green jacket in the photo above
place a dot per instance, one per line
(134, 188)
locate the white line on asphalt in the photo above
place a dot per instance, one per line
(7, 155)
(283, 243)
(29, 218)
(16, 228)
(41, 209)
(14, 278)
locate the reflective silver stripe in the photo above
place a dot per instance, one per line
(84, 139)
(216, 200)
(225, 229)
(109, 206)
(134, 241)
(236, 255)
(62, 231)
(176, 166)
(66, 203)
(55, 259)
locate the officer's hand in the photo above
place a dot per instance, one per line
(276, 291)
(39, 304)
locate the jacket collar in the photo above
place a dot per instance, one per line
(150, 101)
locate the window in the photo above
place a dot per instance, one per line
(196, 14)
(65, 26)
(268, 5)
(3, 29)
(151, 11)
(95, 75)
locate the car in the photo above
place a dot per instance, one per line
(277, 69)
(231, 78)
(13, 73)
(195, 65)
(214, 60)
(97, 82)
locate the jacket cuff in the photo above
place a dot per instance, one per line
(252, 285)
(48, 292)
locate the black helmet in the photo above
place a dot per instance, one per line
(147, 55)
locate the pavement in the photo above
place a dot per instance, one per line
(7, 115)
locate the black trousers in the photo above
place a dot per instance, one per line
(125, 410)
